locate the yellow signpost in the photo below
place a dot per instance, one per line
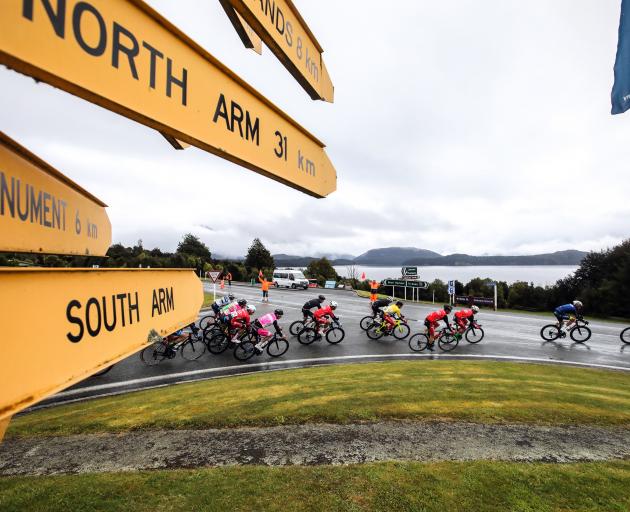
(89, 319)
(245, 32)
(124, 56)
(43, 211)
(284, 31)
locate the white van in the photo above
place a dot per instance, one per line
(289, 278)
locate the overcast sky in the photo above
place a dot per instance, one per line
(481, 127)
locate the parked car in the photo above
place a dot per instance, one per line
(289, 278)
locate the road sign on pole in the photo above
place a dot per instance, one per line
(124, 56)
(411, 272)
(405, 282)
(92, 319)
(451, 287)
(282, 28)
(214, 275)
(43, 211)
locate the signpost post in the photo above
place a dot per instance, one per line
(93, 318)
(284, 31)
(214, 275)
(124, 56)
(43, 211)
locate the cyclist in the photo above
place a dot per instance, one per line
(240, 320)
(313, 303)
(390, 314)
(378, 304)
(232, 308)
(463, 316)
(219, 303)
(261, 324)
(433, 319)
(568, 312)
(321, 316)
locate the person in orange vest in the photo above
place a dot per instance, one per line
(228, 278)
(264, 286)
(373, 290)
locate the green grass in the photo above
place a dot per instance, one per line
(409, 486)
(488, 392)
(208, 298)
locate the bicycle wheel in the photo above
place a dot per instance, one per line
(580, 333)
(218, 343)
(277, 347)
(244, 351)
(448, 342)
(375, 332)
(365, 322)
(418, 342)
(193, 349)
(474, 334)
(335, 335)
(307, 336)
(550, 332)
(625, 336)
(296, 327)
(154, 354)
(401, 331)
(206, 322)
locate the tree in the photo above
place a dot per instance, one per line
(192, 246)
(258, 256)
(321, 270)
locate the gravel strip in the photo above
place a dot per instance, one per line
(310, 445)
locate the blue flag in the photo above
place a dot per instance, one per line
(620, 96)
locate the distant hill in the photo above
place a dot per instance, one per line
(394, 256)
(388, 256)
(569, 257)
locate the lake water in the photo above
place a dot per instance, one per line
(538, 274)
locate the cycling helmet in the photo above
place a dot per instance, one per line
(242, 303)
(278, 312)
(231, 297)
(251, 309)
(448, 308)
(475, 309)
(321, 297)
(333, 304)
(577, 304)
(399, 304)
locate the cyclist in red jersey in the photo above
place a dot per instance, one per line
(321, 316)
(241, 319)
(433, 320)
(463, 316)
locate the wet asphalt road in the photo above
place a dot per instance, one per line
(507, 336)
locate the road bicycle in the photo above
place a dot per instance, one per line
(625, 336)
(333, 332)
(220, 339)
(473, 333)
(276, 346)
(207, 321)
(367, 321)
(191, 348)
(446, 339)
(579, 332)
(380, 328)
(296, 327)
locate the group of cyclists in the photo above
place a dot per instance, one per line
(236, 316)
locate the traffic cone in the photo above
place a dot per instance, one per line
(222, 284)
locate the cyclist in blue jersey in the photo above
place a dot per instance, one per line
(568, 312)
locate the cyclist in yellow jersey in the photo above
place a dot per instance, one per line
(391, 313)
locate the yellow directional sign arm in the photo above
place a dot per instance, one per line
(43, 211)
(282, 28)
(124, 56)
(91, 319)
(247, 35)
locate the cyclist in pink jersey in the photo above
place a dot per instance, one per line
(261, 324)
